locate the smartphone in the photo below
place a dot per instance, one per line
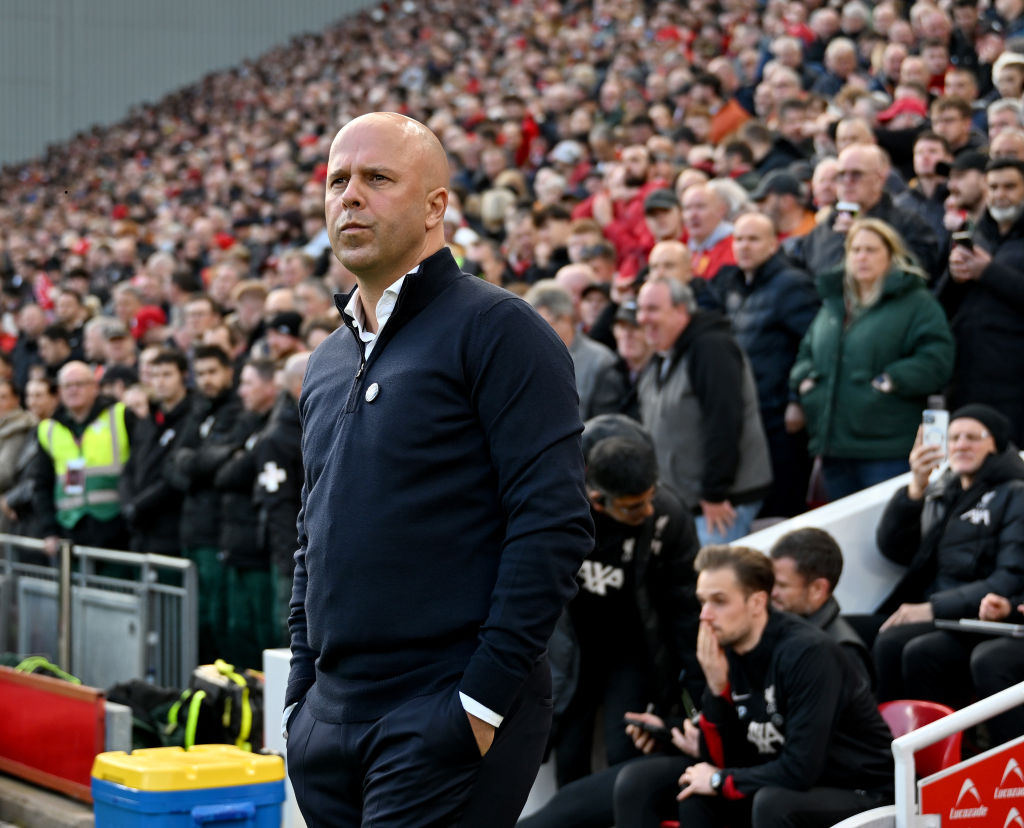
(660, 734)
(936, 426)
(848, 207)
(963, 239)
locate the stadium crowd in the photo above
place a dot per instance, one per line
(771, 233)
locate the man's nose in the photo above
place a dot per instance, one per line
(351, 195)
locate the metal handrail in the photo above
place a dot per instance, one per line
(116, 556)
(147, 563)
(904, 748)
(22, 540)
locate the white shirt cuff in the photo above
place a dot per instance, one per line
(481, 712)
(284, 719)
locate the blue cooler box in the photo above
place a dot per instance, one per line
(173, 788)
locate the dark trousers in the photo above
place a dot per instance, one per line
(636, 794)
(251, 626)
(641, 793)
(779, 808)
(791, 469)
(891, 668)
(618, 689)
(419, 765)
(952, 668)
(996, 664)
(212, 578)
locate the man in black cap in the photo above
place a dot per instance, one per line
(780, 197)
(663, 215)
(966, 185)
(634, 352)
(283, 337)
(961, 537)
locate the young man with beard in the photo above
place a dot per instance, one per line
(150, 504)
(210, 438)
(249, 626)
(984, 299)
(965, 204)
(619, 211)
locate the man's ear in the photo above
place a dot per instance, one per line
(437, 203)
(819, 590)
(597, 500)
(759, 600)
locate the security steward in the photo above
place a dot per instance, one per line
(84, 447)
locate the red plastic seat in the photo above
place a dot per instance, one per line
(904, 715)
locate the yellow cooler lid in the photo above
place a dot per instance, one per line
(174, 769)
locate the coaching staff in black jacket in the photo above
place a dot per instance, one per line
(443, 520)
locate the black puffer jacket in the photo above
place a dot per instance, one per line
(769, 317)
(958, 545)
(235, 481)
(278, 492)
(211, 436)
(151, 506)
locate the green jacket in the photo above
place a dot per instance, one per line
(905, 335)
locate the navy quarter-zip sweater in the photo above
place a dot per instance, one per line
(444, 515)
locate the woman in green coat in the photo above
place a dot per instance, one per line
(877, 348)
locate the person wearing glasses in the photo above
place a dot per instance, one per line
(624, 640)
(861, 174)
(961, 537)
(83, 451)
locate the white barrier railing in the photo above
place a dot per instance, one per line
(904, 748)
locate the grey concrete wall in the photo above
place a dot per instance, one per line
(66, 65)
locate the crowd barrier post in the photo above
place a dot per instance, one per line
(64, 608)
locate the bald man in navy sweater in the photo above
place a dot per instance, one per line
(444, 515)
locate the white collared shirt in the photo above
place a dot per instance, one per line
(385, 307)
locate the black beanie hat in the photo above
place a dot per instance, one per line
(997, 424)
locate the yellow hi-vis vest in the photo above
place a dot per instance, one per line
(104, 449)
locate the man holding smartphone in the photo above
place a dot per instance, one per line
(961, 537)
(983, 295)
(861, 175)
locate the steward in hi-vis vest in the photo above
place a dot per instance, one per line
(87, 466)
(84, 448)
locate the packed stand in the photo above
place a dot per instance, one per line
(771, 235)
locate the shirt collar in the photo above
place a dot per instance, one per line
(385, 307)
